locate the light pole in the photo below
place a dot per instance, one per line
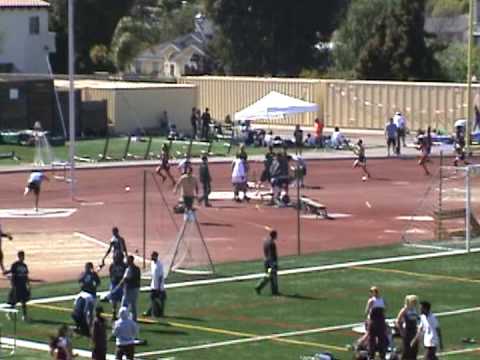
(71, 94)
(471, 15)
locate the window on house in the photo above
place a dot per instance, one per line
(138, 67)
(172, 70)
(155, 67)
(34, 25)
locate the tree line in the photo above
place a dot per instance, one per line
(358, 39)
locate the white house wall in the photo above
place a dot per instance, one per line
(26, 51)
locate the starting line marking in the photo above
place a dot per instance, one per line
(32, 213)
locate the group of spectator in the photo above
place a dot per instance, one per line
(410, 324)
(124, 291)
(200, 123)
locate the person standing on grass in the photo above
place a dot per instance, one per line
(193, 122)
(131, 286)
(20, 282)
(125, 331)
(377, 334)
(391, 136)
(298, 136)
(158, 295)
(406, 323)
(99, 336)
(9, 237)
(118, 245)
(374, 301)
(34, 185)
(189, 187)
(270, 264)
(116, 271)
(429, 328)
(206, 120)
(361, 160)
(61, 346)
(164, 166)
(206, 180)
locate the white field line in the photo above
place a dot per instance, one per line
(291, 334)
(281, 273)
(459, 352)
(33, 345)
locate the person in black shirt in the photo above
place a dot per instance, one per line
(270, 263)
(131, 286)
(298, 136)
(206, 119)
(99, 336)
(116, 271)
(117, 244)
(89, 280)
(193, 121)
(20, 291)
(206, 180)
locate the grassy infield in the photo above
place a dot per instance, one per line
(214, 313)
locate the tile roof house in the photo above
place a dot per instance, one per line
(185, 55)
(25, 41)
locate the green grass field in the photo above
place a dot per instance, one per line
(230, 316)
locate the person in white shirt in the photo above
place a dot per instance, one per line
(125, 331)
(158, 295)
(34, 185)
(337, 139)
(401, 123)
(429, 328)
(239, 178)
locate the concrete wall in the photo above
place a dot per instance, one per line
(132, 108)
(26, 51)
(348, 104)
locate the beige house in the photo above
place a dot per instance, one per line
(25, 41)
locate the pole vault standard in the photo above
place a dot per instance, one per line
(71, 94)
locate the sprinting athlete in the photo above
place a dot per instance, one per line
(34, 185)
(9, 237)
(165, 165)
(361, 160)
(422, 146)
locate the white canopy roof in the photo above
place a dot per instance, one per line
(275, 105)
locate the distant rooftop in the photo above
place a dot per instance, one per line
(23, 3)
(105, 84)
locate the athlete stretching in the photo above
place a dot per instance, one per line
(34, 185)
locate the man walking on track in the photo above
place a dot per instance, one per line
(270, 263)
(189, 186)
(158, 295)
(9, 237)
(20, 291)
(118, 245)
(34, 185)
(391, 136)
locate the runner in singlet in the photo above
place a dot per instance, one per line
(164, 166)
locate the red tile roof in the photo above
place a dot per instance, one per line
(23, 3)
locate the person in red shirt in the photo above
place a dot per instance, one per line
(318, 129)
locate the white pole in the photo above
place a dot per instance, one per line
(468, 212)
(468, 131)
(71, 95)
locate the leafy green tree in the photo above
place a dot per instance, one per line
(95, 22)
(355, 31)
(150, 22)
(453, 62)
(399, 49)
(447, 7)
(275, 37)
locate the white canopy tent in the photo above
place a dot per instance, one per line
(275, 105)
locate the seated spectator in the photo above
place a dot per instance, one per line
(337, 139)
(310, 141)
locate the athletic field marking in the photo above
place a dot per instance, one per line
(208, 329)
(415, 218)
(458, 352)
(410, 273)
(257, 276)
(40, 214)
